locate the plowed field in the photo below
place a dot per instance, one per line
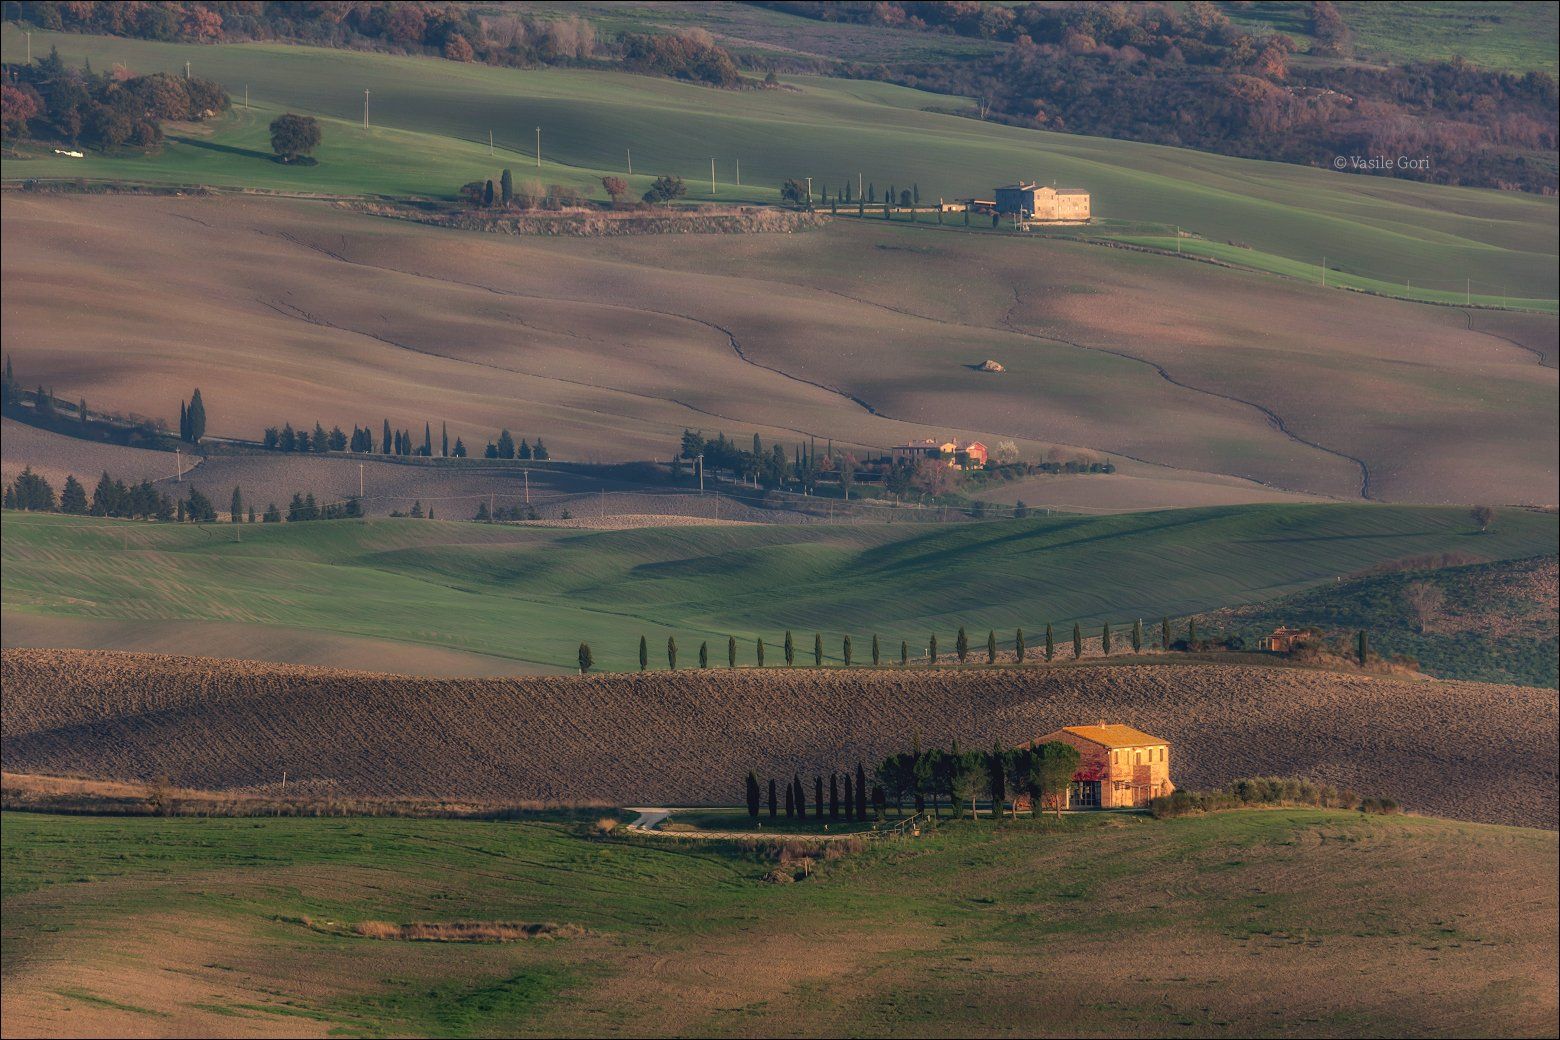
(1468, 750)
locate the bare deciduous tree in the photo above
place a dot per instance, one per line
(1424, 602)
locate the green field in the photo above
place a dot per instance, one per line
(1237, 924)
(533, 594)
(1499, 34)
(432, 120)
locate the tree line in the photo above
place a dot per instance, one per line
(105, 110)
(118, 499)
(1007, 778)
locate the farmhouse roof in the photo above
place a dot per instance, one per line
(1021, 186)
(1113, 736)
(1072, 191)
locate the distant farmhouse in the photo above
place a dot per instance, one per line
(1119, 767)
(1030, 201)
(956, 454)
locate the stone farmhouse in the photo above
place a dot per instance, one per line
(1120, 767)
(1029, 201)
(957, 454)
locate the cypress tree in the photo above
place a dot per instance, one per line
(1137, 636)
(991, 647)
(236, 507)
(506, 186)
(1077, 641)
(752, 795)
(671, 653)
(1362, 647)
(818, 796)
(1105, 639)
(877, 653)
(1050, 642)
(760, 651)
(801, 797)
(385, 443)
(931, 649)
(428, 439)
(817, 649)
(961, 645)
(1018, 645)
(861, 791)
(1191, 634)
(184, 421)
(197, 417)
(644, 654)
(790, 649)
(731, 651)
(834, 796)
(704, 655)
(773, 807)
(487, 193)
(850, 799)
(904, 653)
(444, 439)
(846, 647)
(790, 801)
(586, 660)
(1164, 633)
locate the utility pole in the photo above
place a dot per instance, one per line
(360, 480)
(246, 97)
(1467, 291)
(809, 194)
(701, 473)
(365, 110)
(739, 172)
(1324, 272)
(858, 185)
(630, 161)
(527, 487)
(538, 148)
(29, 46)
(1178, 240)
(178, 465)
(490, 142)
(603, 503)
(186, 70)
(712, 176)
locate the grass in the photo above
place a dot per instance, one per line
(434, 117)
(958, 932)
(1519, 37)
(534, 594)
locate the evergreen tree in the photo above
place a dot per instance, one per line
(850, 799)
(586, 660)
(273, 515)
(991, 647)
(877, 652)
(1191, 634)
(506, 445)
(506, 187)
(1164, 633)
(444, 439)
(1105, 639)
(759, 657)
(731, 651)
(846, 647)
(320, 442)
(1018, 645)
(1362, 648)
(487, 193)
(1137, 636)
(996, 780)
(236, 507)
(752, 795)
(644, 654)
(817, 649)
(427, 448)
(251, 513)
(834, 796)
(818, 796)
(790, 801)
(73, 497)
(790, 649)
(385, 444)
(671, 653)
(184, 421)
(931, 649)
(861, 791)
(904, 653)
(1077, 641)
(704, 655)
(801, 797)
(197, 418)
(961, 645)
(773, 807)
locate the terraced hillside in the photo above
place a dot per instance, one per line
(433, 119)
(532, 594)
(1438, 747)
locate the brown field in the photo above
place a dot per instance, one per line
(856, 332)
(55, 456)
(1468, 750)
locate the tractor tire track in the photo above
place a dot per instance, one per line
(1539, 355)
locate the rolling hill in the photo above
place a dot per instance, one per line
(532, 594)
(434, 118)
(1436, 747)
